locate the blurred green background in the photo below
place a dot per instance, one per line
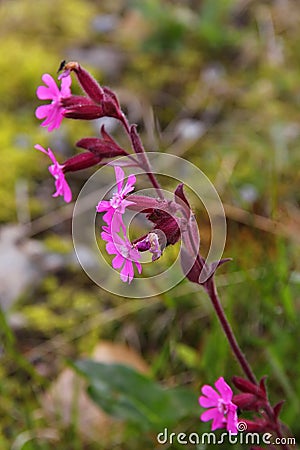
(214, 82)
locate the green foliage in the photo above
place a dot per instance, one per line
(128, 395)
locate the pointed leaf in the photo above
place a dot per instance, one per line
(129, 395)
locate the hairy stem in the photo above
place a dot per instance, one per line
(213, 295)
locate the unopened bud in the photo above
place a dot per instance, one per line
(101, 147)
(81, 107)
(80, 162)
(246, 401)
(87, 82)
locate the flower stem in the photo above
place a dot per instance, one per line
(139, 149)
(213, 295)
(212, 292)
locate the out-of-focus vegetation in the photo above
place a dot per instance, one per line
(215, 82)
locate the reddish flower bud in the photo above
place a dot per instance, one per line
(167, 224)
(249, 387)
(101, 102)
(80, 107)
(181, 199)
(136, 140)
(244, 385)
(246, 401)
(277, 408)
(80, 162)
(87, 82)
(262, 385)
(100, 147)
(110, 104)
(258, 425)
(145, 204)
(199, 272)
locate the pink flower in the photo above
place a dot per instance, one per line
(53, 112)
(222, 411)
(126, 254)
(56, 170)
(117, 204)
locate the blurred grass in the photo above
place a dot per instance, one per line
(233, 67)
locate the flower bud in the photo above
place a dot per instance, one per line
(80, 107)
(80, 162)
(258, 425)
(101, 147)
(199, 271)
(136, 140)
(249, 387)
(167, 224)
(145, 204)
(181, 199)
(246, 401)
(87, 82)
(110, 104)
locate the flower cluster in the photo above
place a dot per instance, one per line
(99, 102)
(64, 104)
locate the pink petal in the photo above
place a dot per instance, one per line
(218, 421)
(48, 153)
(123, 277)
(207, 402)
(50, 82)
(44, 93)
(108, 216)
(105, 235)
(138, 266)
(50, 118)
(117, 223)
(210, 414)
(127, 272)
(103, 206)
(119, 178)
(129, 185)
(67, 192)
(52, 157)
(55, 122)
(134, 254)
(111, 249)
(232, 419)
(43, 111)
(209, 392)
(224, 389)
(124, 205)
(65, 86)
(118, 261)
(40, 148)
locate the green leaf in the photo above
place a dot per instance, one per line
(129, 395)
